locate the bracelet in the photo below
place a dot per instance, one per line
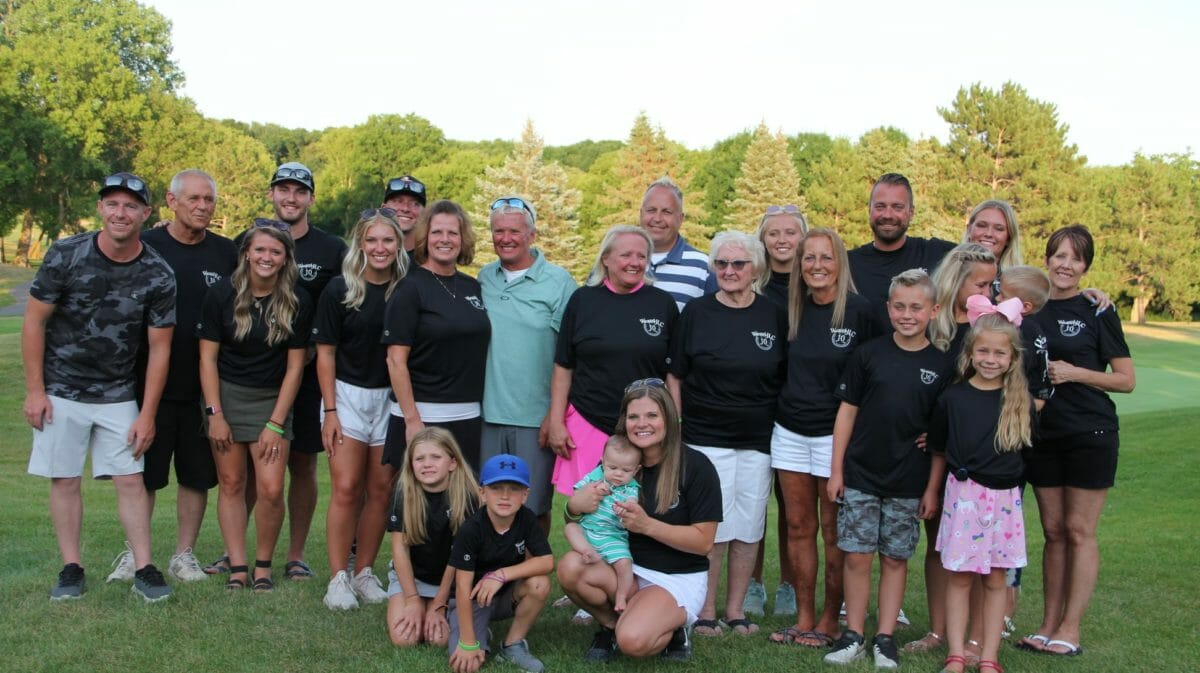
(274, 428)
(331, 410)
(468, 648)
(441, 607)
(496, 575)
(568, 517)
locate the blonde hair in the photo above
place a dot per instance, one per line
(1014, 427)
(283, 306)
(598, 273)
(466, 233)
(798, 289)
(949, 279)
(462, 494)
(355, 265)
(1011, 255)
(620, 445)
(1028, 283)
(759, 269)
(673, 464)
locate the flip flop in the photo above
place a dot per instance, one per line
(298, 571)
(749, 627)
(1073, 650)
(792, 636)
(1034, 642)
(712, 625)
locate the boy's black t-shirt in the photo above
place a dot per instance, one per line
(732, 362)
(873, 269)
(610, 340)
(479, 548)
(963, 427)
(250, 362)
(361, 358)
(895, 391)
(1080, 337)
(444, 322)
(429, 558)
(816, 360)
(1036, 358)
(698, 500)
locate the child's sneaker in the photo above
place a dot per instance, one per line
(518, 655)
(70, 585)
(755, 601)
(849, 647)
(785, 600)
(886, 655)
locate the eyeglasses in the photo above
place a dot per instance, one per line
(406, 185)
(367, 214)
(513, 202)
(293, 174)
(644, 383)
(789, 209)
(266, 223)
(132, 184)
(737, 264)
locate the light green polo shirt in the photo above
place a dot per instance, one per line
(525, 316)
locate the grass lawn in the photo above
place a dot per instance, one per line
(1143, 617)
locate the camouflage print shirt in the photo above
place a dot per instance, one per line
(100, 309)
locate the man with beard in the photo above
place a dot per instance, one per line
(874, 264)
(406, 195)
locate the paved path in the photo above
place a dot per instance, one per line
(20, 294)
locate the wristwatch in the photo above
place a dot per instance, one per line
(212, 411)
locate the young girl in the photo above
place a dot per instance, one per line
(435, 494)
(979, 427)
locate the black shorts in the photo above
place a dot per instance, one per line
(1087, 460)
(179, 432)
(306, 415)
(467, 433)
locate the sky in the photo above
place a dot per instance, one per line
(1120, 73)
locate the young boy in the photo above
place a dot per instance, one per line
(502, 563)
(1031, 285)
(600, 535)
(881, 478)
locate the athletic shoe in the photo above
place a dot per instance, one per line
(842, 614)
(680, 646)
(785, 600)
(70, 585)
(518, 655)
(351, 559)
(581, 618)
(368, 588)
(185, 567)
(886, 655)
(902, 619)
(150, 585)
(604, 646)
(340, 595)
(848, 648)
(122, 566)
(756, 598)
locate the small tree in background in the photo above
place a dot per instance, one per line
(768, 177)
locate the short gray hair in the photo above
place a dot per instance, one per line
(752, 246)
(530, 215)
(668, 184)
(177, 181)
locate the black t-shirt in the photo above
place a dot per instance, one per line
(1036, 359)
(250, 362)
(956, 344)
(873, 269)
(776, 289)
(610, 340)
(816, 360)
(444, 323)
(698, 501)
(361, 357)
(1078, 336)
(197, 267)
(479, 548)
(963, 427)
(895, 391)
(732, 362)
(429, 558)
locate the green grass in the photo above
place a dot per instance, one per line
(10, 277)
(1143, 616)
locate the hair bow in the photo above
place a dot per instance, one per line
(979, 305)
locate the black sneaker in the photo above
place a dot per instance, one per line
(848, 648)
(886, 654)
(604, 646)
(70, 585)
(680, 646)
(150, 585)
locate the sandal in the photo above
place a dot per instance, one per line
(712, 628)
(972, 652)
(792, 636)
(1073, 649)
(1034, 642)
(219, 567)
(234, 583)
(297, 571)
(995, 666)
(263, 585)
(954, 659)
(926, 643)
(748, 628)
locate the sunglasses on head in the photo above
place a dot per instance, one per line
(789, 209)
(645, 383)
(513, 202)
(293, 174)
(406, 185)
(132, 184)
(737, 264)
(389, 213)
(267, 223)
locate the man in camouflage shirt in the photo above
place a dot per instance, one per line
(92, 297)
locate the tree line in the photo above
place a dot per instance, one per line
(89, 87)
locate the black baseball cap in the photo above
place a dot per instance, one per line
(405, 184)
(126, 182)
(294, 171)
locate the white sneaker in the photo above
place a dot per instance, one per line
(368, 588)
(340, 595)
(849, 647)
(902, 619)
(185, 567)
(123, 569)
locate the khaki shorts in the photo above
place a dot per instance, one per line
(61, 448)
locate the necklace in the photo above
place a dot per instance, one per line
(453, 282)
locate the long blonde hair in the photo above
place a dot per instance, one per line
(1014, 428)
(355, 265)
(462, 494)
(283, 305)
(798, 289)
(948, 280)
(673, 465)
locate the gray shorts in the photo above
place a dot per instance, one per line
(521, 441)
(502, 607)
(868, 523)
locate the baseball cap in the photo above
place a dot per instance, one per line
(405, 184)
(127, 182)
(295, 172)
(504, 467)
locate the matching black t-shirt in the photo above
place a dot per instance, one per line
(895, 391)
(361, 358)
(873, 269)
(429, 558)
(776, 288)
(1036, 358)
(732, 363)
(250, 361)
(610, 340)
(816, 359)
(478, 547)
(698, 500)
(443, 321)
(963, 427)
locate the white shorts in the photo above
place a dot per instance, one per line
(363, 412)
(797, 453)
(688, 589)
(61, 448)
(424, 589)
(745, 486)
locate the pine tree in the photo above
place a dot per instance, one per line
(544, 185)
(839, 193)
(768, 177)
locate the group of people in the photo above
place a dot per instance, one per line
(875, 388)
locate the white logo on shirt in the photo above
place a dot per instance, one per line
(927, 376)
(764, 340)
(520, 547)
(309, 271)
(653, 326)
(210, 277)
(474, 301)
(1070, 328)
(841, 337)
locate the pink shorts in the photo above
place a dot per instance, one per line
(981, 528)
(589, 446)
